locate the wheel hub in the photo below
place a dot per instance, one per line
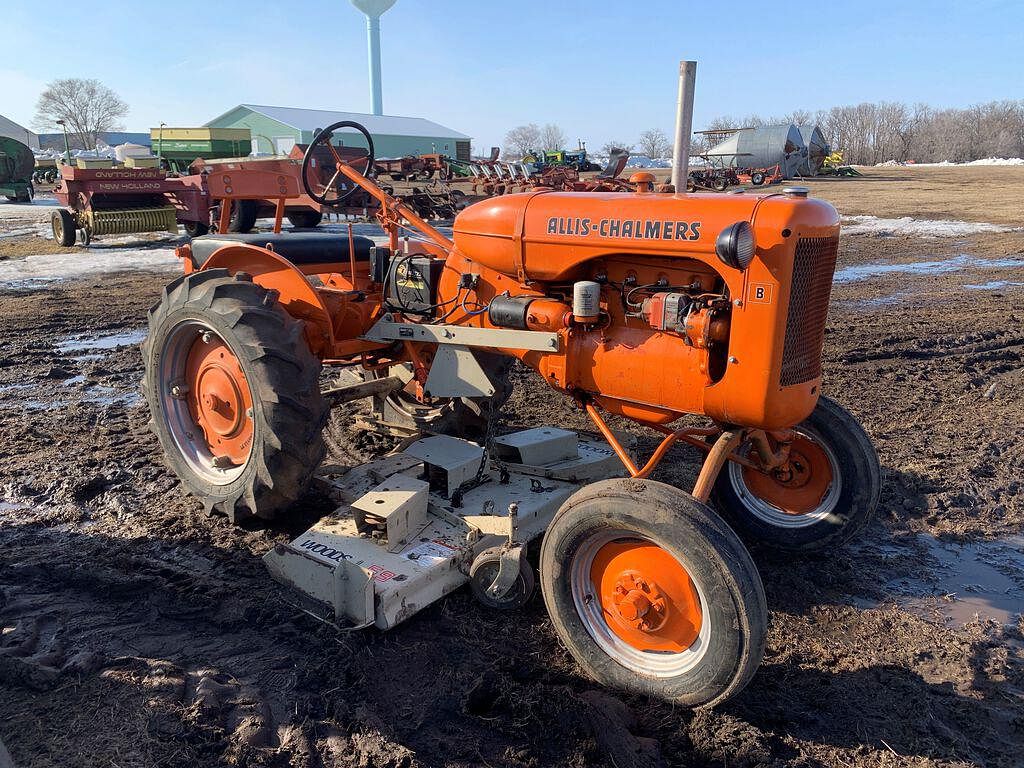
(800, 485)
(219, 400)
(646, 596)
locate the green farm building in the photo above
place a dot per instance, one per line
(277, 129)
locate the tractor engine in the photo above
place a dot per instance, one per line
(664, 304)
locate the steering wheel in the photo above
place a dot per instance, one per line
(318, 160)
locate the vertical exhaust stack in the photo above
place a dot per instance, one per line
(684, 125)
(374, 9)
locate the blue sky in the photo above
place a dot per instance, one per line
(601, 70)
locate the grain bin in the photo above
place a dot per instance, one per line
(762, 147)
(817, 150)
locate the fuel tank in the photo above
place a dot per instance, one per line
(547, 236)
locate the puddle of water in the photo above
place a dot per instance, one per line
(38, 405)
(101, 395)
(993, 285)
(74, 380)
(13, 387)
(102, 341)
(880, 301)
(984, 579)
(859, 272)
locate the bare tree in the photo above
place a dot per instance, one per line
(552, 137)
(521, 140)
(872, 133)
(612, 145)
(86, 106)
(654, 143)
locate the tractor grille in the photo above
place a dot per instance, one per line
(813, 265)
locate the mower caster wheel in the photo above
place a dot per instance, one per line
(486, 574)
(757, 179)
(653, 593)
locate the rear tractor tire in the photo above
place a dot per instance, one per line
(653, 593)
(828, 493)
(196, 228)
(243, 216)
(305, 219)
(233, 393)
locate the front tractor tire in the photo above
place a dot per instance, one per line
(827, 494)
(233, 393)
(653, 593)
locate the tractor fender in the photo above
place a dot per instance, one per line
(294, 291)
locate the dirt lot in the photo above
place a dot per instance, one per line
(137, 631)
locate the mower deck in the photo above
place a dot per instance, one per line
(412, 522)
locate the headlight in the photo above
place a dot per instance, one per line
(735, 245)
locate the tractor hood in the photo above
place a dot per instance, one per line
(547, 236)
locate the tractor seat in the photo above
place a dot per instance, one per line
(299, 248)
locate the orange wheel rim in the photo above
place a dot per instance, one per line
(219, 400)
(647, 598)
(799, 487)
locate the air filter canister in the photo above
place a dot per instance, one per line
(586, 301)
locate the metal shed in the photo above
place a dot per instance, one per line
(277, 129)
(817, 150)
(763, 147)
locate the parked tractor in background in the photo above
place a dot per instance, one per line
(17, 164)
(646, 306)
(833, 166)
(576, 158)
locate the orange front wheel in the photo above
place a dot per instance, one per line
(824, 493)
(652, 592)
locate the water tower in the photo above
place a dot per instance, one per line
(374, 9)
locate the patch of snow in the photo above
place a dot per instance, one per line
(859, 272)
(995, 285)
(643, 161)
(39, 272)
(873, 225)
(947, 163)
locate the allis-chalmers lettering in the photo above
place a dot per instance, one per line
(634, 229)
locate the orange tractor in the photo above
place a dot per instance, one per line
(648, 306)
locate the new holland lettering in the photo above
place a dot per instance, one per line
(630, 229)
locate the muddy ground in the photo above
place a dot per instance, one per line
(137, 631)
